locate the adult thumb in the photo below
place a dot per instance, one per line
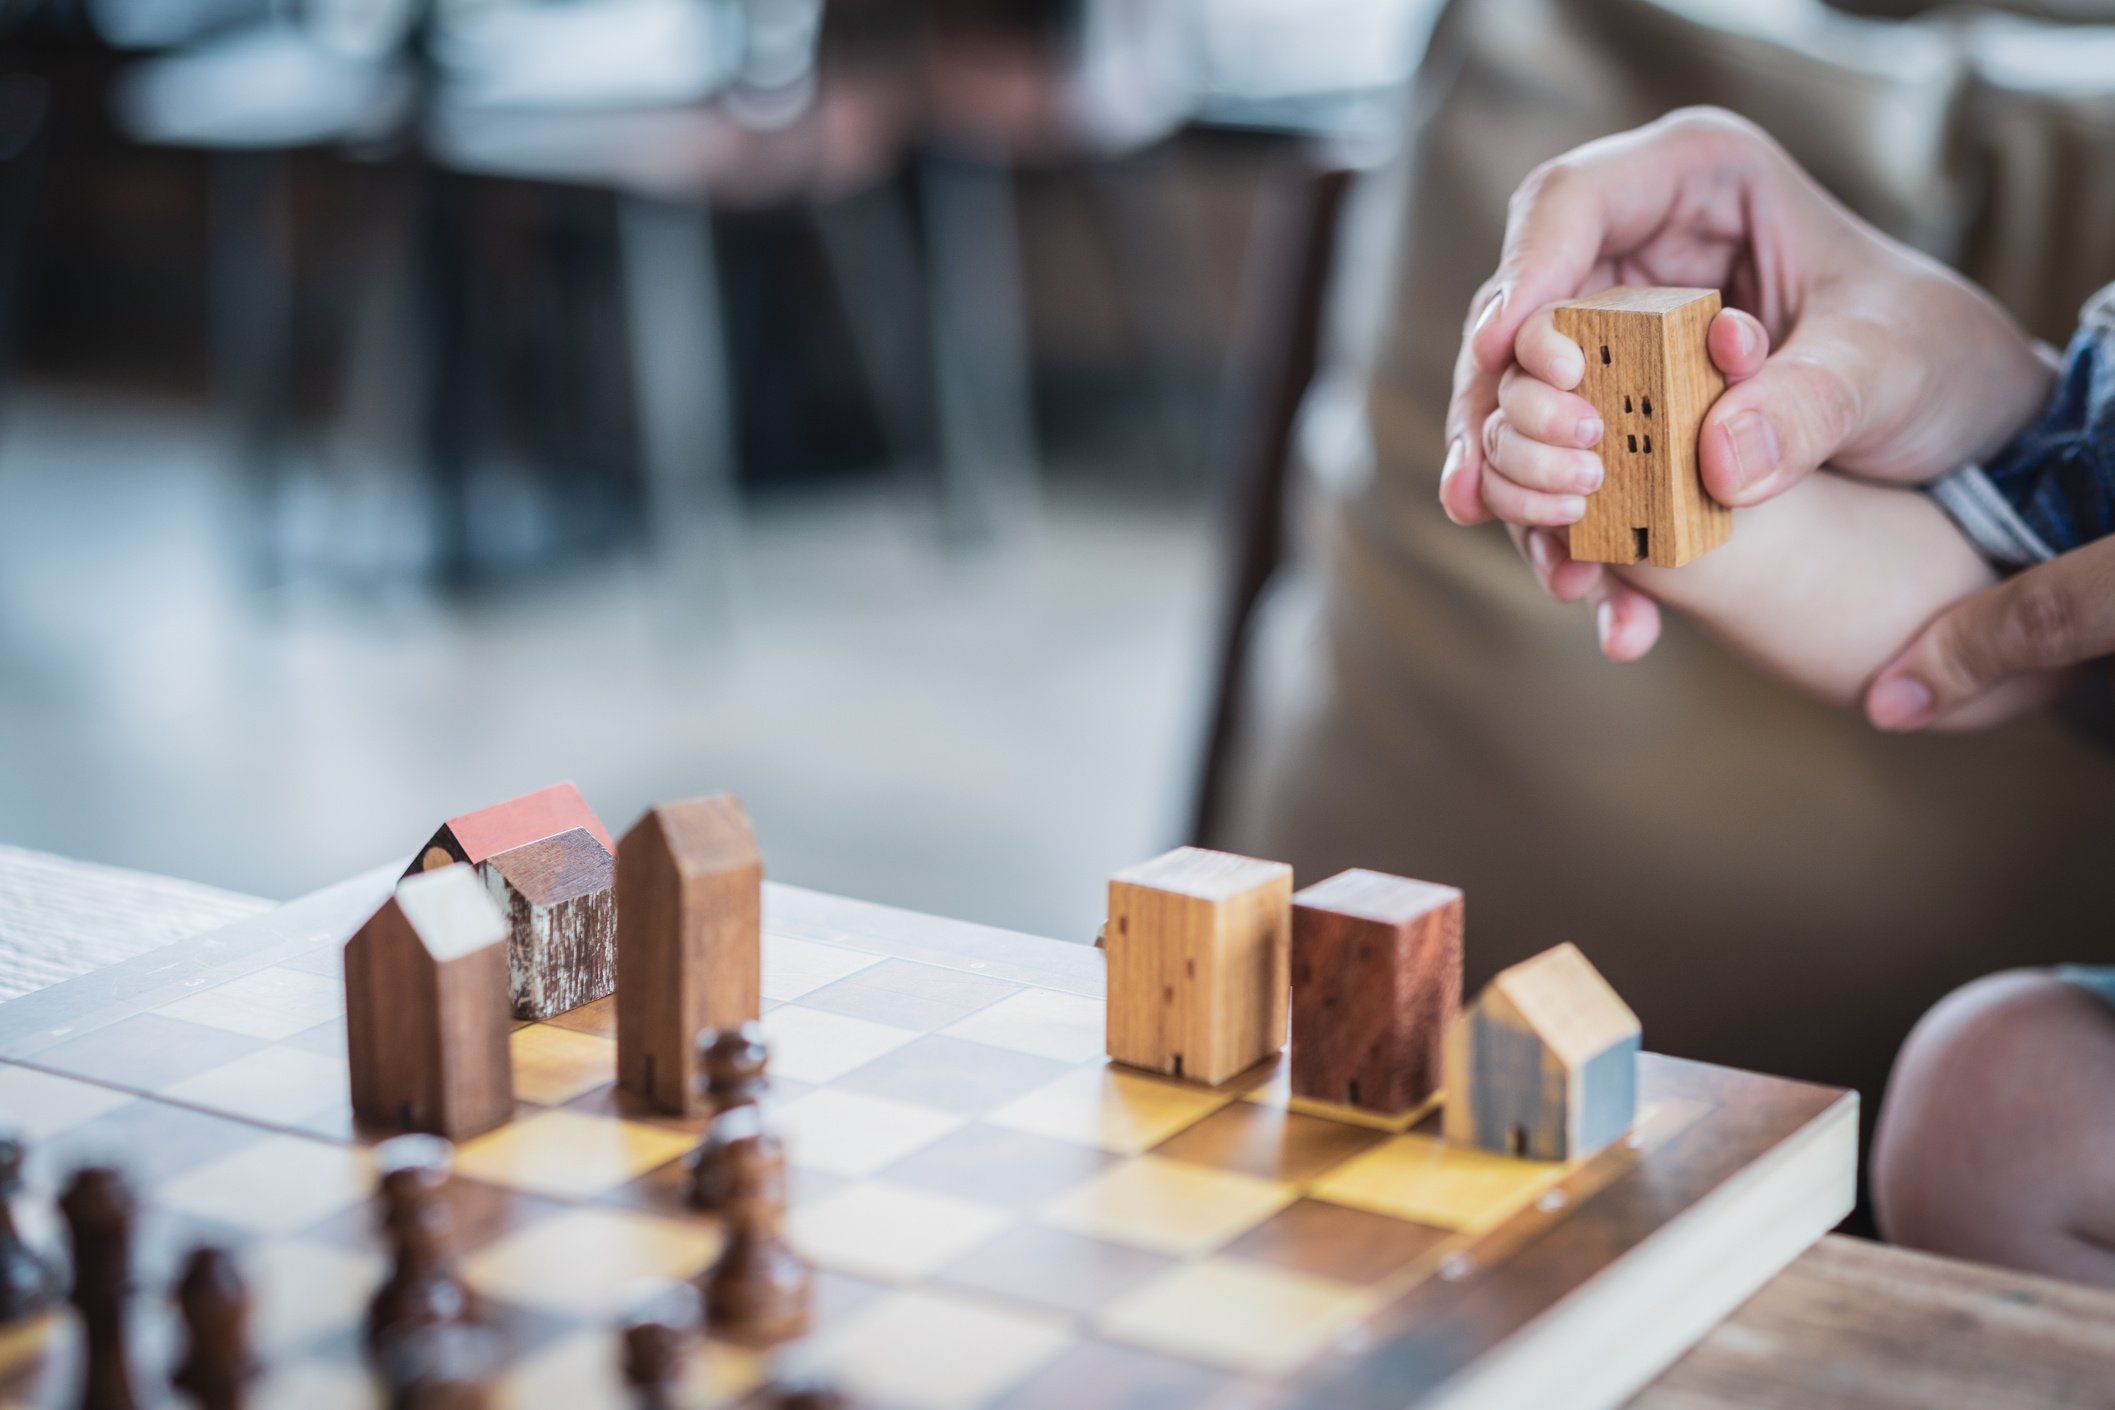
(1768, 433)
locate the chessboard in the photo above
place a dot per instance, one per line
(997, 1215)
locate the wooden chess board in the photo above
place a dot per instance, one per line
(998, 1217)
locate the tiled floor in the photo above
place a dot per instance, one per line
(985, 736)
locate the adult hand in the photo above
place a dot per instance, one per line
(1885, 364)
(2004, 650)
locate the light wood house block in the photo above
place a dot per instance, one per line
(475, 837)
(1376, 980)
(689, 932)
(1648, 374)
(1544, 1063)
(559, 895)
(426, 1009)
(1198, 946)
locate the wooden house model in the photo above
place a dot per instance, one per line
(426, 1011)
(1650, 377)
(690, 881)
(1544, 1063)
(476, 837)
(1376, 983)
(559, 895)
(1198, 946)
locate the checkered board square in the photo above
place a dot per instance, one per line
(998, 1216)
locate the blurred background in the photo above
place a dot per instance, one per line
(407, 403)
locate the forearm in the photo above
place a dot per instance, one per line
(1823, 585)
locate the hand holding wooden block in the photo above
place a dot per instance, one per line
(1651, 378)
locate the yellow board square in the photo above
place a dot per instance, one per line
(276, 1186)
(1170, 1206)
(887, 1231)
(922, 1351)
(1039, 1021)
(845, 1133)
(566, 1154)
(554, 1065)
(1106, 1107)
(589, 1262)
(304, 1291)
(44, 1105)
(808, 1045)
(1244, 1316)
(272, 1003)
(586, 1371)
(1432, 1182)
(276, 1086)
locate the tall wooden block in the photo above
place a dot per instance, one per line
(1199, 963)
(689, 933)
(1649, 376)
(476, 837)
(559, 895)
(1544, 1063)
(1376, 980)
(426, 1012)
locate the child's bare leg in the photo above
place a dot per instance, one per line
(1997, 1136)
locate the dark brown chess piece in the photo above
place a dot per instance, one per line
(28, 1282)
(809, 1394)
(99, 1211)
(757, 1291)
(657, 1351)
(423, 1288)
(731, 1072)
(447, 1366)
(216, 1311)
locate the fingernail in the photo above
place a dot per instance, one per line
(1490, 312)
(1589, 478)
(1542, 552)
(1752, 440)
(1569, 367)
(1605, 622)
(1447, 472)
(1588, 434)
(1750, 338)
(1571, 508)
(1903, 703)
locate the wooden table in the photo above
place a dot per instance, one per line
(1850, 1323)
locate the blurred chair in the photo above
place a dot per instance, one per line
(252, 99)
(1288, 281)
(25, 103)
(1008, 86)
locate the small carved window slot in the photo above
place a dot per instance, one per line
(1646, 402)
(1604, 354)
(1515, 1137)
(1633, 444)
(1178, 1065)
(1644, 537)
(1351, 1094)
(1648, 445)
(1626, 402)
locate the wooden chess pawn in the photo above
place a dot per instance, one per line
(731, 1075)
(28, 1282)
(757, 1291)
(216, 1312)
(658, 1343)
(423, 1288)
(100, 1212)
(441, 1367)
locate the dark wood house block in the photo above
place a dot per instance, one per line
(689, 935)
(1376, 980)
(426, 1011)
(560, 899)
